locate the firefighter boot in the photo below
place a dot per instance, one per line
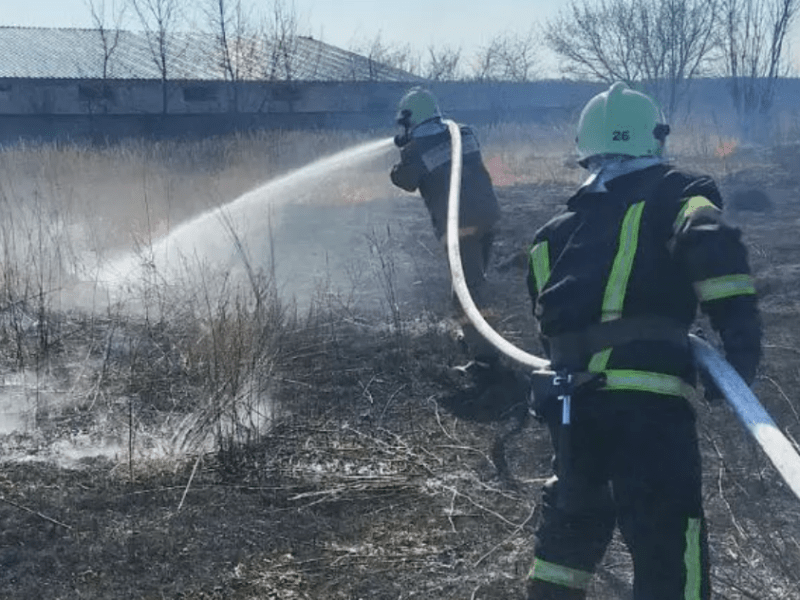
(537, 589)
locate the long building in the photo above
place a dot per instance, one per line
(58, 84)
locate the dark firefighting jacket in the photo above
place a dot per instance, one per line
(425, 165)
(647, 249)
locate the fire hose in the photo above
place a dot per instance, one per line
(745, 404)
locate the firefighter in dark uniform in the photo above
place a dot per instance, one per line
(425, 157)
(616, 281)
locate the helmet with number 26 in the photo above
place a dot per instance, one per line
(620, 122)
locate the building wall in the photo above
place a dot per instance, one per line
(84, 97)
(92, 109)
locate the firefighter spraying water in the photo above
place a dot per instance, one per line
(615, 283)
(425, 165)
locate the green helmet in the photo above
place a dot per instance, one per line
(417, 106)
(621, 121)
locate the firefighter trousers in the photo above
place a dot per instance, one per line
(635, 464)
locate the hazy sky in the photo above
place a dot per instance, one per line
(465, 23)
(468, 24)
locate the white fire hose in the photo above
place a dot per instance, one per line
(744, 403)
(457, 270)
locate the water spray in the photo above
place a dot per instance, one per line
(748, 409)
(229, 236)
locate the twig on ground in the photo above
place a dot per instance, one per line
(510, 536)
(365, 389)
(482, 507)
(727, 504)
(426, 248)
(779, 347)
(736, 587)
(452, 510)
(189, 483)
(35, 513)
(722, 496)
(783, 395)
(389, 401)
(439, 420)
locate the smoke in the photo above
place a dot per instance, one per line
(281, 229)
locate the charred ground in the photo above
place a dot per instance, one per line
(383, 475)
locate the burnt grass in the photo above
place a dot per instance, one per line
(384, 475)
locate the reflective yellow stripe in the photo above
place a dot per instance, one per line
(724, 287)
(647, 381)
(560, 575)
(623, 263)
(600, 361)
(692, 206)
(617, 284)
(692, 561)
(540, 264)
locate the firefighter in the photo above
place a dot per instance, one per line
(425, 157)
(615, 282)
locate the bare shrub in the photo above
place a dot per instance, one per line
(753, 46)
(662, 45)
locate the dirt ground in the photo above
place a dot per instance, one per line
(385, 476)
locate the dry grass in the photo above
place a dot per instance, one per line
(254, 448)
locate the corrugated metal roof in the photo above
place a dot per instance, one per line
(49, 53)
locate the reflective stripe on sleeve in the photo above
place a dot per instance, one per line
(540, 264)
(726, 286)
(600, 361)
(692, 206)
(692, 561)
(560, 575)
(614, 297)
(647, 381)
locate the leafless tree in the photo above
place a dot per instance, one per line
(662, 44)
(107, 19)
(753, 43)
(280, 36)
(485, 66)
(676, 38)
(235, 48)
(507, 57)
(382, 54)
(443, 64)
(595, 40)
(159, 20)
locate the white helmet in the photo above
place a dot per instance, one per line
(416, 107)
(621, 121)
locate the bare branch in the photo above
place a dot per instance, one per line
(443, 63)
(508, 57)
(234, 42)
(159, 19)
(380, 54)
(109, 38)
(752, 41)
(280, 32)
(662, 44)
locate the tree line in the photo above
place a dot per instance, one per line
(656, 45)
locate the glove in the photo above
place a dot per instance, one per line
(402, 139)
